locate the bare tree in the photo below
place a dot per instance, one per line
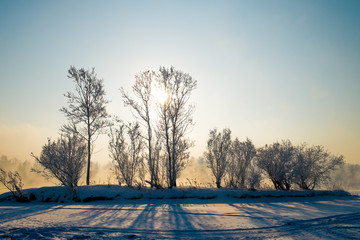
(142, 91)
(218, 153)
(127, 155)
(87, 108)
(13, 182)
(277, 160)
(242, 154)
(63, 159)
(175, 119)
(313, 166)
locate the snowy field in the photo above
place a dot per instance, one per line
(182, 214)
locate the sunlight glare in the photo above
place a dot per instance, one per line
(160, 95)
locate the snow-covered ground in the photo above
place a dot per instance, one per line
(196, 214)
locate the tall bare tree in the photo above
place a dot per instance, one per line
(86, 108)
(218, 153)
(175, 119)
(142, 89)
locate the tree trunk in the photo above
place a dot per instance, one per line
(242, 182)
(88, 164)
(218, 184)
(166, 126)
(151, 164)
(173, 153)
(89, 152)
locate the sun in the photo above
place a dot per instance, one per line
(160, 95)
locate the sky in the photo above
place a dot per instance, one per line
(268, 70)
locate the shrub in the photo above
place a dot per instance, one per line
(13, 182)
(63, 159)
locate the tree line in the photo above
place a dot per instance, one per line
(154, 149)
(241, 165)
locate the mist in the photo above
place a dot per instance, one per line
(347, 176)
(196, 174)
(29, 178)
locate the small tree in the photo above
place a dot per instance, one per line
(127, 156)
(277, 160)
(87, 108)
(218, 151)
(240, 158)
(13, 182)
(63, 159)
(313, 166)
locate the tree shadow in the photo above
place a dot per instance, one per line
(169, 217)
(11, 212)
(176, 219)
(115, 216)
(146, 219)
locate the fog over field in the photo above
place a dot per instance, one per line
(197, 175)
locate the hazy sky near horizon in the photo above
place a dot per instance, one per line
(268, 70)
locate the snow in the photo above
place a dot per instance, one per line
(181, 213)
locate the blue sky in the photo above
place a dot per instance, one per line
(268, 70)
